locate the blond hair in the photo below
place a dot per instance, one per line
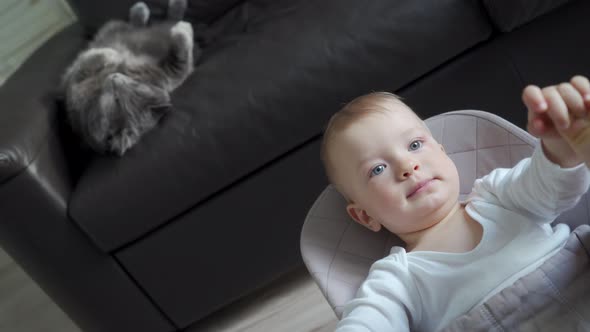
(358, 108)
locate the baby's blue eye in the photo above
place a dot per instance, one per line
(378, 169)
(415, 145)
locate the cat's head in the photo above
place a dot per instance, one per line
(110, 105)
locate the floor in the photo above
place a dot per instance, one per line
(293, 303)
(24, 26)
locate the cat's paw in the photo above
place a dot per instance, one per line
(176, 9)
(139, 14)
(183, 29)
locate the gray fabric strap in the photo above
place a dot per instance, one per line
(554, 297)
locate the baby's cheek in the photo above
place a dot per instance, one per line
(389, 201)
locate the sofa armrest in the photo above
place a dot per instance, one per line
(36, 181)
(28, 101)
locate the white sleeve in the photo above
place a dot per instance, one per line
(385, 300)
(535, 187)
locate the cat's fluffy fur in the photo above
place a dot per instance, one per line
(118, 88)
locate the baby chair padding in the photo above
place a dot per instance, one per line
(338, 252)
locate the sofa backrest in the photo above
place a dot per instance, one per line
(92, 14)
(508, 15)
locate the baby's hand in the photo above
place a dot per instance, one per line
(560, 116)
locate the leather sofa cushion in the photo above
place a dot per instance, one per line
(260, 92)
(510, 14)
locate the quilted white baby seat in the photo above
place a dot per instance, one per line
(338, 252)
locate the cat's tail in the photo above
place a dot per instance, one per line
(176, 9)
(139, 14)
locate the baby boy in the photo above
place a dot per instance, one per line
(383, 159)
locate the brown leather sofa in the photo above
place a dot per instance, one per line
(209, 206)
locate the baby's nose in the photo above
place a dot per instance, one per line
(407, 171)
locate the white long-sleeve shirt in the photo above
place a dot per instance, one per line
(426, 290)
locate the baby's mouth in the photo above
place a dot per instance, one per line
(420, 186)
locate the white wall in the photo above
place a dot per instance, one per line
(25, 25)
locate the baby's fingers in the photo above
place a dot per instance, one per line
(583, 86)
(573, 100)
(557, 109)
(533, 98)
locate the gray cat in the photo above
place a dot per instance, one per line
(118, 88)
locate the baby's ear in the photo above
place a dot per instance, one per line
(359, 215)
(442, 148)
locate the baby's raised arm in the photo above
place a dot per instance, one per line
(560, 116)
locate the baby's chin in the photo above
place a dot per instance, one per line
(433, 213)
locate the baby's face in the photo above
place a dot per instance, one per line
(390, 165)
